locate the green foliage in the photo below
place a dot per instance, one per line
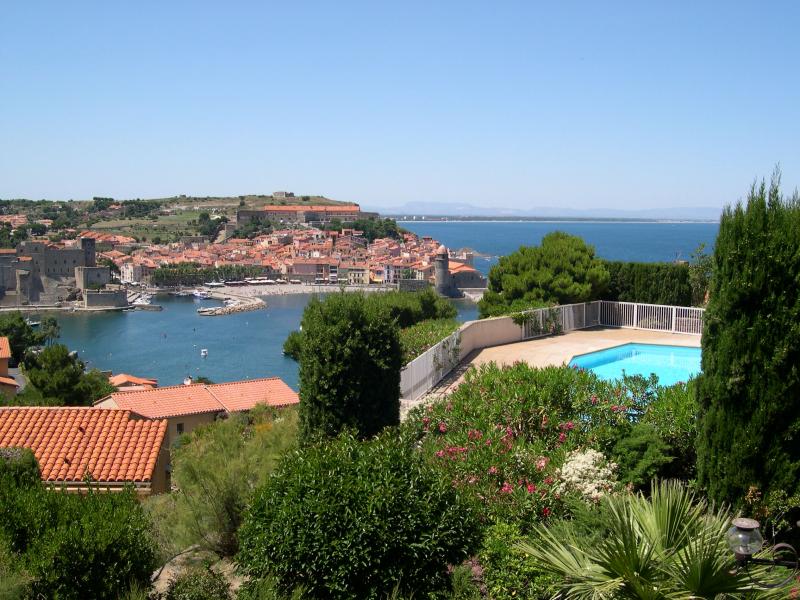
(18, 466)
(74, 546)
(255, 227)
(351, 519)
(372, 229)
(651, 283)
(640, 455)
(407, 309)
(562, 270)
(21, 336)
(417, 338)
(701, 269)
(463, 584)
(208, 226)
(49, 329)
(293, 345)
(671, 545)
(193, 274)
(749, 412)
(504, 433)
(215, 469)
(349, 367)
(14, 580)
(198, 584)
(507, 571)
(59, 377)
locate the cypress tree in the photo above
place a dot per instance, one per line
(749, 392)
(350, 364)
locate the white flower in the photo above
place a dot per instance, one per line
(588, 473)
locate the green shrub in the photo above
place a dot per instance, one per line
(18, 466)
(14, 581)
(421, 336)
(216, 468)
(349, 367)
(748, 392)
(651, 283)
(462, 583)
(74, 546)
(641, 455)
(198, 584)
(508, 572)
(351, 519)
(293, 345)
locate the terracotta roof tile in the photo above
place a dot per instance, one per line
(124, 378)
(5, 348)
(199, 398)
(71, 442)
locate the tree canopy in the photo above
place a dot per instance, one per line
(58, 378)
(561, 270)
(350, 364)
(750, 385)
(21, 336)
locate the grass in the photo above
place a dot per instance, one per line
(420, 337)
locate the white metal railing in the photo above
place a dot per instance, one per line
(433, 365)
(654, 317)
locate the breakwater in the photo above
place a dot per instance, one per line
(233, 305)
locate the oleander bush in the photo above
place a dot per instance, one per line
(504, 435)
(357, 519)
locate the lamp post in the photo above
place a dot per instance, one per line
(745, 540)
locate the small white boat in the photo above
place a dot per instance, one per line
(201, 294)
(204, 352)
(206, 311)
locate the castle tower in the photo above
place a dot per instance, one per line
(441, 270)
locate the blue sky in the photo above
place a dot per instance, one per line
(512, 104)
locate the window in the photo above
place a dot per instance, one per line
(179, 427)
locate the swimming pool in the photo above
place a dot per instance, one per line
(670, 363)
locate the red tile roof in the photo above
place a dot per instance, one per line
(5, 348)
(200, 398)
(8, 381)
(70, 443)
(123, 379)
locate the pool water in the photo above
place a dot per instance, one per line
(671, 364)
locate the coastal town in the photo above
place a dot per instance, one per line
(302, 246)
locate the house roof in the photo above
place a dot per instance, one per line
(8, 381)
(200, 398)
(71, 442)
(5, 348)
(126, 379)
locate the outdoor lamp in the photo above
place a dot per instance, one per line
(745, 540)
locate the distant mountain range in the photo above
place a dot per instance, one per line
(447, 209)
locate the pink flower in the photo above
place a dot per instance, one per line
(548, 480)
(492, 470)
(594, 400)
(541, 463)
(440, 454)
(614, 408)
(449, 407)
(545, 512)
(562, 437)
(488, 441)
(531, 488)
(507, 488)
(442, 427)
(569, 425)
(426, 420)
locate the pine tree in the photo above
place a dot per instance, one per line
(350, 365)
(749, 393)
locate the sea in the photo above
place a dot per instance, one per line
(167, 345)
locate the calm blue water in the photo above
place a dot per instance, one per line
(643, 242)
(670, 363)
(166, 345)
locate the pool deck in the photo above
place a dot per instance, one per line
(553, 351)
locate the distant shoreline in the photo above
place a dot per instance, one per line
(428, 219)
